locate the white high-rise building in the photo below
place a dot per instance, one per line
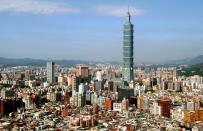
(81, 88)
(50, 72)
(99, 76)
(28, 102)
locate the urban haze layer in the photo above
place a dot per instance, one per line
(101, 97)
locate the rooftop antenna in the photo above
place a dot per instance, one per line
(128, 15)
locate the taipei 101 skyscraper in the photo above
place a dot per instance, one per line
(128, 72)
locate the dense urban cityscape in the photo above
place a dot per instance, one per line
(101, 96)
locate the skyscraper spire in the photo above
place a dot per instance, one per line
(128, 16)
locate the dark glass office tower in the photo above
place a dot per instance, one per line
(128, 73)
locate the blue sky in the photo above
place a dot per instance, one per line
(92, 29)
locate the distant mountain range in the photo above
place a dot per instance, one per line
(40, 62)
(186, 61)
(36, 62)
(191, 70)
(69, 63)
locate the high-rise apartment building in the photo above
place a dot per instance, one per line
(50, 72)
(128, 73)
(27, 75)
(82, 71)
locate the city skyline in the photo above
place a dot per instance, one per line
(93, 30)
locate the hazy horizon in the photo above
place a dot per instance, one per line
(135, 62)
(93, 30)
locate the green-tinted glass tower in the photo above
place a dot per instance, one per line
(128, 73)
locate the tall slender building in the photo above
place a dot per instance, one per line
(128, 73)
(50, 72)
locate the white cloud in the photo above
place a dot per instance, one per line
(118, 10)
(35, 7)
